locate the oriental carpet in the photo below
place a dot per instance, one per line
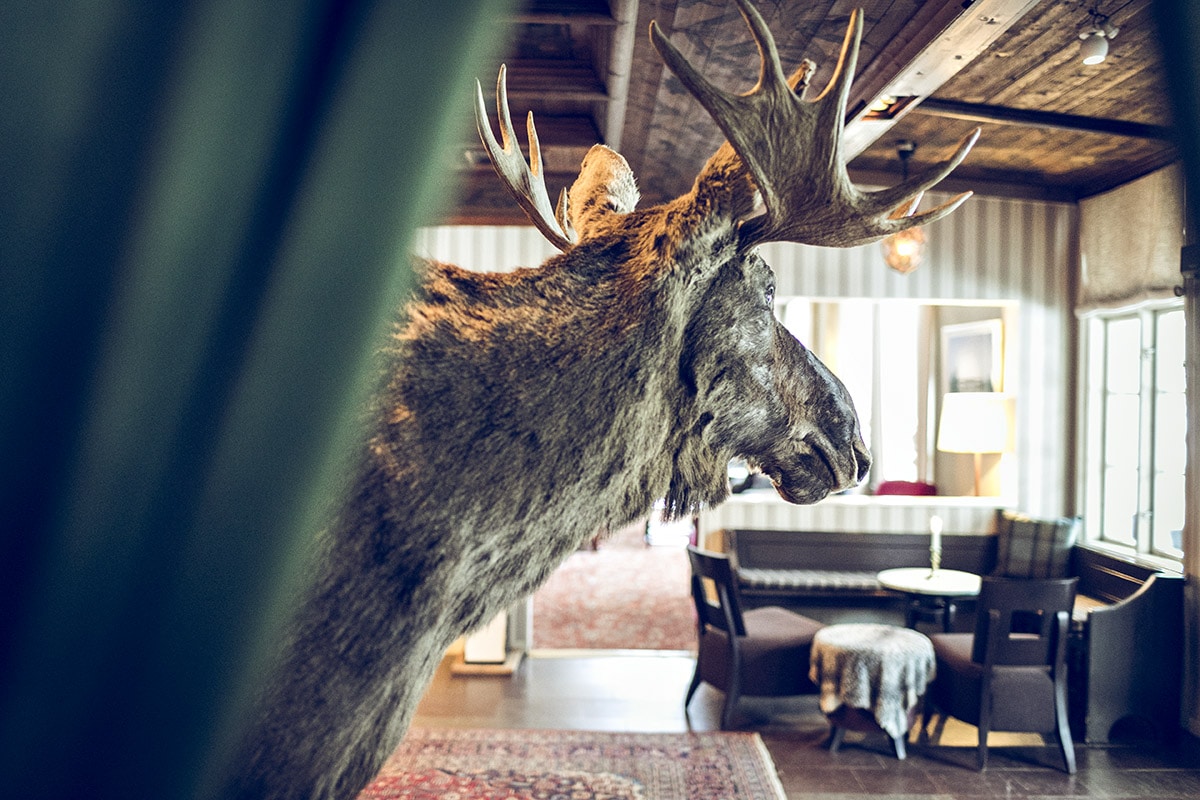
(541, 765)
(623, 595)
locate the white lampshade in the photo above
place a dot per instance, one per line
(1094, 48)
(974, 422)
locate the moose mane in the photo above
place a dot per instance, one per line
(571, 362)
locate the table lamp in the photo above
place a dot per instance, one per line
(974, 422)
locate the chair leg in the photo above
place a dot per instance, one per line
(731, 698)
(692, 689)
(1063, 727)
(985, 725)
(939, 728)
(928, 712)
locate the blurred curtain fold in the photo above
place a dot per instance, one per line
(204, 211)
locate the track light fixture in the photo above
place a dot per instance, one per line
(1096, 35)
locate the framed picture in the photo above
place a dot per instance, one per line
(972, 356)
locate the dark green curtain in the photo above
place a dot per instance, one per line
(204, 208)
(1179, 37)
(1178, 32)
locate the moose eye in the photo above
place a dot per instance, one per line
(770, 296)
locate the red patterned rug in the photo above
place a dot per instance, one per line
(540, 765)
(624, 595)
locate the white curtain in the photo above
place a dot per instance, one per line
(1137, 258)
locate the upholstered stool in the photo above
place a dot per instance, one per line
(871, 678)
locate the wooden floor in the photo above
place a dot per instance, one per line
(642, 691)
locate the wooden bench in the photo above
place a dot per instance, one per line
(794, 567)
(1126, 656)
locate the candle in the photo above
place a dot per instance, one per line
(935, 531)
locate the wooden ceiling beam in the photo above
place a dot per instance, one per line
(981, 112)
(549, 12)
(930, 50)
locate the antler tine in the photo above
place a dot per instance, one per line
(903, 193)
(526, 182)
(792, 148)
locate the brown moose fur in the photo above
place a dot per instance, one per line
(521, 413)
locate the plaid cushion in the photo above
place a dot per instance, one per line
(1029, 547)
(807, 580)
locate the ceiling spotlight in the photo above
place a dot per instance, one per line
(1095, 37)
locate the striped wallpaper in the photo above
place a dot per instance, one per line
(761, 509)
(991, 249)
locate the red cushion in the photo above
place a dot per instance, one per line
(906, 488)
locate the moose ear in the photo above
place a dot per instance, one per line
(605, 186)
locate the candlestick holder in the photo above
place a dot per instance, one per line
(935, 544)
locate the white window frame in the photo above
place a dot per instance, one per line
(1091, 490)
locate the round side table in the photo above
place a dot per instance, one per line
(871, 677)
(930, 593)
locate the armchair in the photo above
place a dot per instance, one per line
(763, 652)
(1010, 675)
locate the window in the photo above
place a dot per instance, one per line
(1134, 422)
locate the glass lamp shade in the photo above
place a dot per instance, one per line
(903, 251)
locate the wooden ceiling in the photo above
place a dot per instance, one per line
(1052, 127)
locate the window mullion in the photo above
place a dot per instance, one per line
(1143, 533)
(1101, 459)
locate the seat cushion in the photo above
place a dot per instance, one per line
(774, 653)
(1031, 547)
(1022, 697)
(808, 580)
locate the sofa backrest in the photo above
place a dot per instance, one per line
(856, 551)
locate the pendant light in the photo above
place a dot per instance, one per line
(904, 251)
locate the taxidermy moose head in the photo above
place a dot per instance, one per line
(521, 413)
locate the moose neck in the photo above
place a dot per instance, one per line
(574, 376)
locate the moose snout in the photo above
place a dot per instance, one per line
(848, 465)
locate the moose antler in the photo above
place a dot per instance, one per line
(792, 148)
(527, 185)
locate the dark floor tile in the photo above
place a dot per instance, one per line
(906, 778)
(1144, 756)
(800, 795)
(1161, 783)
(823, 780)
(1053, 783)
